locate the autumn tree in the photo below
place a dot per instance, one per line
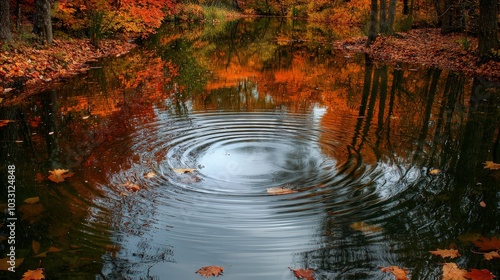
(42, 24)
(5, 34)
(488, 28)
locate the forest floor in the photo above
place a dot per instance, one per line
(427, 47)
(32, 68)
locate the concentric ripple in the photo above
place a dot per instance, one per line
(224, 205)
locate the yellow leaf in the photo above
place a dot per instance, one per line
(33, 274)
(35, 246)
(365, 228)
(5, 263)
(400, 273)
(434, 172)
(452, 272)
(491, 255)
(280, 191)
(491, 165)
(58, 175)
(184, 170)
(32, 200)
(445, 253)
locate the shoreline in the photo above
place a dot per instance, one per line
(31, 70)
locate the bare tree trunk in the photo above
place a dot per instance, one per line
(372, 31)
(383, 16)
(488, 28)
(43, 21)
(453, 18)
(391, 16)
(5, 34)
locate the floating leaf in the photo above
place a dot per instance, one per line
(58, 175)
(491, 165)
(482, 204)
(400, 273)
(212, 270)
(50, 250)
(434, 172)
(184, 170)
(491, 255)
(36, 274)
(5, 263)
(487, 244)
(150, 175)
(365, 228)
(35, 245)
(446, 253)
(479, 274)
(5, 122)
(301, 273)
(130, 186)
(451, 271)
(32, 200)
(280, 191)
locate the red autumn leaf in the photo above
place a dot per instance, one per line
(487, 244)
(36, 274)
(479, 274)
(400, 273)
(301, 273)
(212, 270)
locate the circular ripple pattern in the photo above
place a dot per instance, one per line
(223, 206)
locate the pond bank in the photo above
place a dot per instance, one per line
(427, 47)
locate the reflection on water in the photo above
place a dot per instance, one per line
(249, 106)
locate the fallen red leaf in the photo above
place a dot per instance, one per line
(479, 274)
(400, 273)
(212, 270)
(301, 273)
(487, 244)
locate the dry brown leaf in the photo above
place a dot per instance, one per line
(491, 255)
(451, 271)
(487, 244)
(50, 250)
(280, 191)
(491, 165)
(58, 175)
(35, 245)
(5, 263)
(301, 273)
(400, 273)
(32, 200)
(445, 253)
(36, 274)
(365, 228)
(212, 270)
(184, 170)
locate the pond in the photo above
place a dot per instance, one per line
(256, 146)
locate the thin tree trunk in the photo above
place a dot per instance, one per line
(5, 34)
(372, 32)
(488, 28)
(383, 16)
(391, 16)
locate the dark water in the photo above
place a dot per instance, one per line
(251, 106)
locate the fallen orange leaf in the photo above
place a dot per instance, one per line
(58, 175)
(280, 191)
(301, 273)
(445, 253)
(36, 274)
(491, 255)
(491, 165)
(451, 271)
(400, 273)
(212, 270)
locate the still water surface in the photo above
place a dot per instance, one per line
(250, 106)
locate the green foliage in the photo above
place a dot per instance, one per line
(465, 43)
(190, 12)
